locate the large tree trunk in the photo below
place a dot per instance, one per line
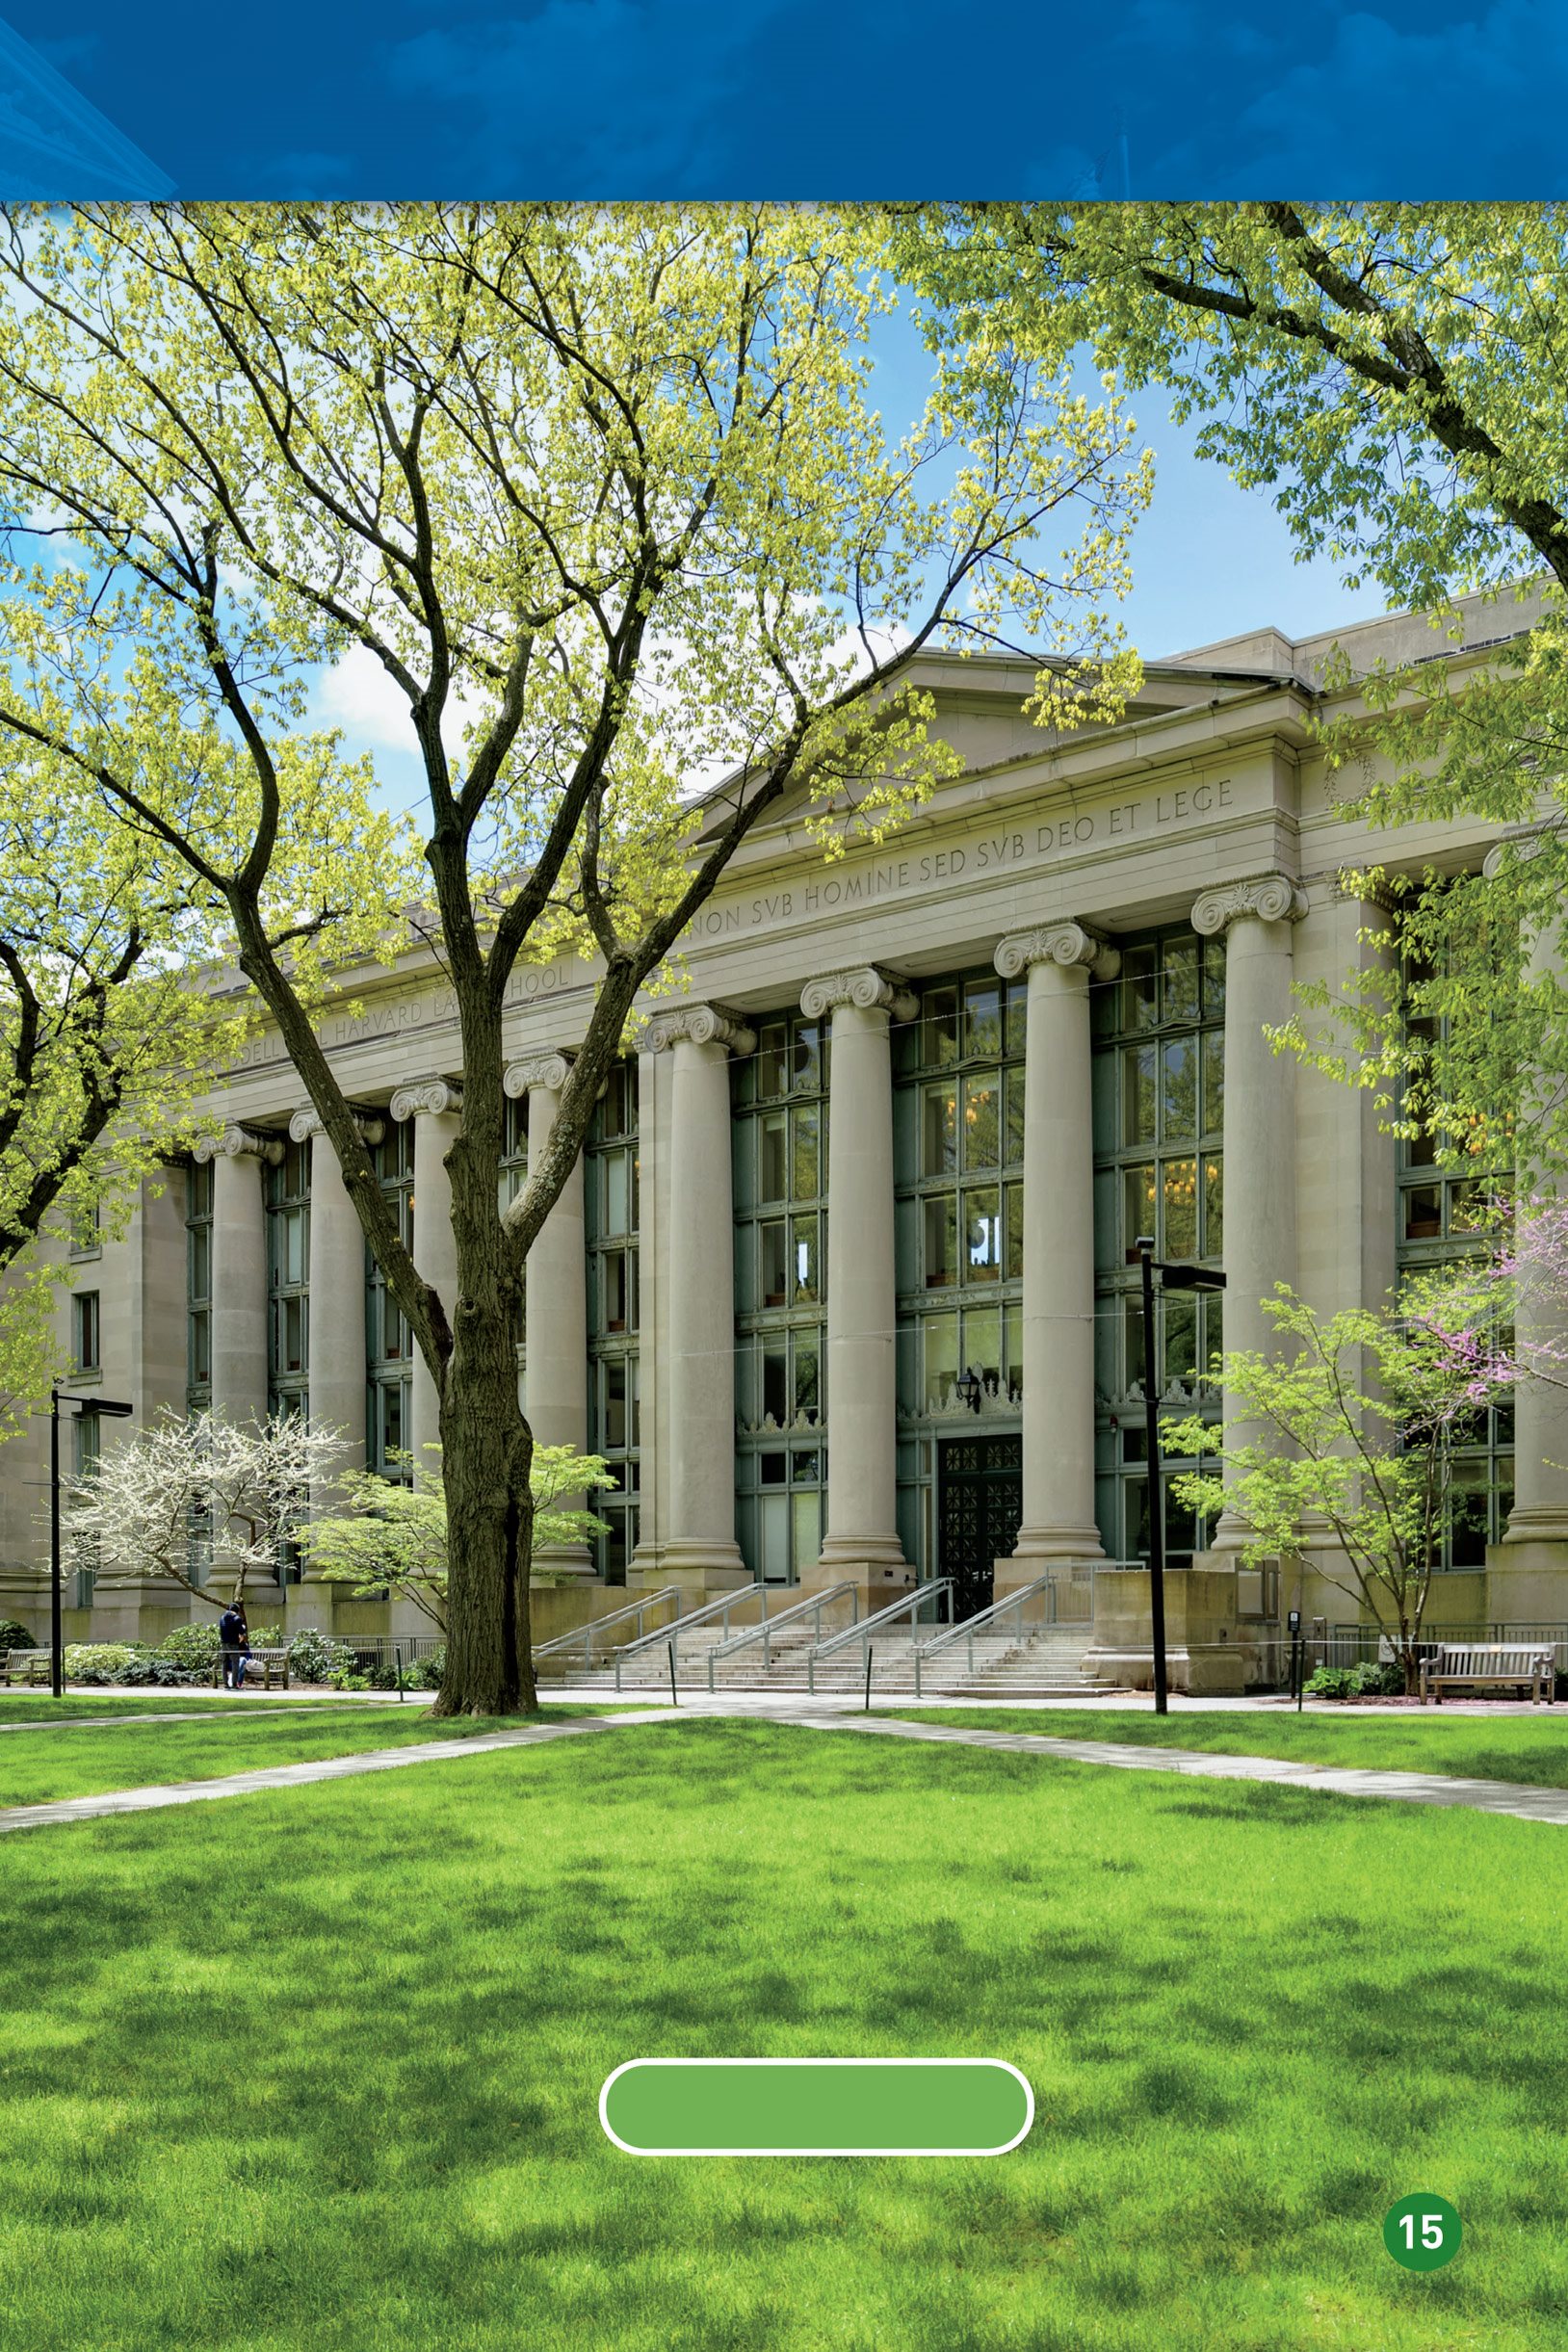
(486, 1450)
(486, 1446)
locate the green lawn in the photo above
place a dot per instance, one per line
(1531, 1748)
(316, 2071)
(37, 1764)
(40, 1706)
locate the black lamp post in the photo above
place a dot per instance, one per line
(1172, 1278)
(116, 1411)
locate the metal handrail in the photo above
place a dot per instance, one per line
(982, 1621)
(670, 1633)
(559, 1643)
(911, 1601)
(812, 1607)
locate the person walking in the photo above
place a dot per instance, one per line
(234, 1643)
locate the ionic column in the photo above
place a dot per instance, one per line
(1256, 916)
(556, 1312)
(862, 1541)
(239, 1272)
(1058, 1246)
(700, 1545)
(435, 1106)
(337, 1291)
(1531, 1584)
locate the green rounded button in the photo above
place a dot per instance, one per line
(1422, 2231)
(815, 2107)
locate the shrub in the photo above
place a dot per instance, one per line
(147, 1667)
(316, 1657)
(1370, 1679)
(343, 1679)
(97, 1661)
(191, 1646)
(424, 1673)
(14, 1635)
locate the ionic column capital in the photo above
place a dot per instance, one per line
(426, 1097)
(240, 1143)
(550, 1070)
(1057, 943)
(699, 1025)
(1273, 898)
(1514, 848)
(866, 987)
(307, 1123)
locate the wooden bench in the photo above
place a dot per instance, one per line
(24, 1666)
(1479, 1665)
(272, 1665)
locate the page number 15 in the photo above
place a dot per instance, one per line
(1422, 2231)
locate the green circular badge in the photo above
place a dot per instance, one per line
(1422, 2231)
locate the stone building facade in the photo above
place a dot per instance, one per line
(841, 1283)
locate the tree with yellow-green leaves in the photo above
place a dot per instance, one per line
(605, 496)
(102, 1043)
(1392, 376)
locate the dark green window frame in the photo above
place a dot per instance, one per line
(1159, 1075)
(779, 1137)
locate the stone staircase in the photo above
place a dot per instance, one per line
(1045, 1663)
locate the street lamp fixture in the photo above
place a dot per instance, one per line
(84, 1406)
(970, 1387)
(1172, 1278)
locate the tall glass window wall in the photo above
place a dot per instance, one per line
(958, 1169)
(611, 1211)
(1442, 1214)
(389, 1347)
(779, 1131)
(1159, 1127)
(198, 1194)
(287, 1283)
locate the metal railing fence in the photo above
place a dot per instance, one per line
(812, 1607)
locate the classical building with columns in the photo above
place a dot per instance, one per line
(843, 1284)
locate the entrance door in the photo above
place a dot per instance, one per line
(981, 1502)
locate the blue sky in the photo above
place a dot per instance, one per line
(679, 98)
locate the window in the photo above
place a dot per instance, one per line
(287, 1283)
(198, 1194)
(958, 1169)
(612, 1174)
(958, 1145)
(1444, 1214)
(85, 1332)
(779, 1097)
(1160, 1169)
(86, 1234)
(389, 1347)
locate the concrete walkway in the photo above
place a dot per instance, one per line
(298, 1775)
(1514, 1797)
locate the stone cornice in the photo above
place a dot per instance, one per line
(240, 1143)
(1057, 943)
(307, 1123)
(1514, 848)
(866, 986)
(699, 1025)
(426, 1097)
(1273, 898)
(550, 1070)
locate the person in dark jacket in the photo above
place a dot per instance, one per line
(234, 1642)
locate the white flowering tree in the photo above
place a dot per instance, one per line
(202, 1504)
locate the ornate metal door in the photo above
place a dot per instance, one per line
(980, 1501)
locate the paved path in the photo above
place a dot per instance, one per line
(1515, 1797)
(1518, 1797)
(298, 1775)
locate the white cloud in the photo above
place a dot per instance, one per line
(358, 696)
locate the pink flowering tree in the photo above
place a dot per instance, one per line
(1353, 1421)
